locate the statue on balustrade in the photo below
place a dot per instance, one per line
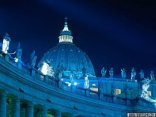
(142, 75)
(146, 94)
(133, 74)
(152, 75)
(71, 79)
(103, 72)
(60, 75)
(123, 73)
(86, 82)
(111, 72)
(59, 71)
(6, 43)
(145, 86)
(46, 69)
(83, 71)
(33, 59)
(19, 56)
(19, 52)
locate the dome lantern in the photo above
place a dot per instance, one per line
(67, 59)
(65, 34)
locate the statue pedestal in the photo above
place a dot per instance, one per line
(72, 88)
(87, 92)
(19, 65)
(32, 72)
(7, 58)
(45, 78)
(101, 96)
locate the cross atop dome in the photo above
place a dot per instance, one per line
(65, 34)
(65, 25)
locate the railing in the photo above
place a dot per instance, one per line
(72, 88)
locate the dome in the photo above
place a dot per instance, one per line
(67, 59)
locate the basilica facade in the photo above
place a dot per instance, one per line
(64, 84)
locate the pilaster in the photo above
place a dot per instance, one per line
(44, 111)
(3, 104)
(58, 113)
(16, 107)
(30, 109)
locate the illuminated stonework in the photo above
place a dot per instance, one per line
(6, 42)
(145, 93)
(149, 93)
(65, 34)
(117, 91)
(65, 38)
(46, 69)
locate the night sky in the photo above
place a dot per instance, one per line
(113, 33)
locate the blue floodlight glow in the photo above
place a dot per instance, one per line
(16, 59)
(75, 83)
(93, 85)
(5, 46)
(44, 68)
(68, 83)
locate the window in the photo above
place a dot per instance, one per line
(117, 91)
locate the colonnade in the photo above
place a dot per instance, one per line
(18, 111)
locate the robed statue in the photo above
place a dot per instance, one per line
(133, 74)
(111, 72)
(33, 59)
(103, 72)
(123, 73)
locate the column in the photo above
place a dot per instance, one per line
(23, 112)
(30, 109)
(73, 115)
(16, 107)
(58, 113)
(44, 111)
(3, 104)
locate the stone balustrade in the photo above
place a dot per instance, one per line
(37, 82)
